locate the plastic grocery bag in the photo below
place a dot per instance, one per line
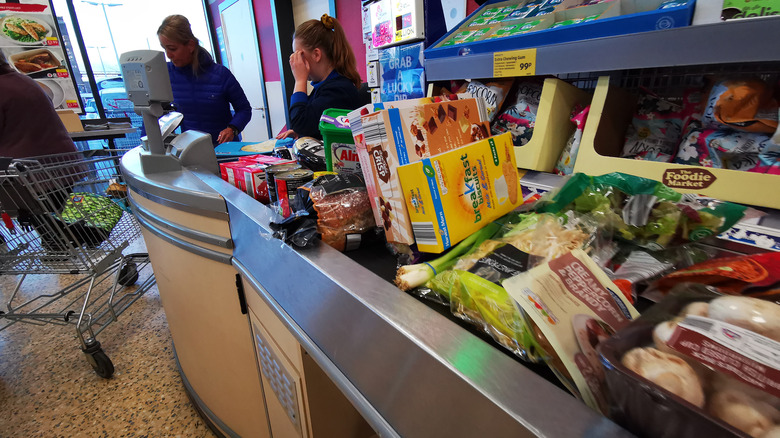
(640, 210)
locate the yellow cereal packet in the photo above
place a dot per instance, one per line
(453, 194)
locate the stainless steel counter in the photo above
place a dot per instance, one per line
(409, 370)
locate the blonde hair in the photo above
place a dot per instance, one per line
(177, 29)
(327, 35)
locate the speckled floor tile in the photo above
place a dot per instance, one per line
(47, 388)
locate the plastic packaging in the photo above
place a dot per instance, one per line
(471, 283)
(575, 306)
(655, 131)
(568, 159)
(520, 116)
(641, 211)
(494, 93)
(730, 392)
(343, 210)
(754, 274)
(340, 153)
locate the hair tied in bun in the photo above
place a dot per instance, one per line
(327, 21)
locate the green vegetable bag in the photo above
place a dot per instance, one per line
(640, 210)
(94, 215)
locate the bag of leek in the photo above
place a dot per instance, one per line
(469, 278)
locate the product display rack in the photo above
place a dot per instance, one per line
(738, 41)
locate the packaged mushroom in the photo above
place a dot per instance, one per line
(698, 363)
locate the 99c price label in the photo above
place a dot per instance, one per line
(514, 63)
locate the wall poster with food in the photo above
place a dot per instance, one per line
(31, 43)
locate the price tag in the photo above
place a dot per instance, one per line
(62, 73)
(52, 41)
(514, 63)
(72, 104)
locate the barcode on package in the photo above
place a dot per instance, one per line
(374, 131)
(701, 324)
(424, 233)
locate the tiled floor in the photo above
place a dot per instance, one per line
(47, 388)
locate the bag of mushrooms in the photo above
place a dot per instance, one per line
(698, 363)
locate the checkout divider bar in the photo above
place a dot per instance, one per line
(183, 244)
(200, 236)
(371, 415)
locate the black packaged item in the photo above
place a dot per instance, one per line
(340, 204)
(310, 152)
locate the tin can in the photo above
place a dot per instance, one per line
(271, 172)
(287, 184)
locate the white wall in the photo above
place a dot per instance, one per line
(308, 9)
(274, 94)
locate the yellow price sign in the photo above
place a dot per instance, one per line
(514, 63)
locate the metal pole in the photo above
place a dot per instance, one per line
(85, 58)
(111, 35)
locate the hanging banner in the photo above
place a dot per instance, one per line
(32, 44)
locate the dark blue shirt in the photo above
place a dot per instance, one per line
(205, 100)
(335, 91)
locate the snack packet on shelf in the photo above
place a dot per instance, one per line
(640, 210)
(575, 306)
(519, 118)
(742, 104)
(729, 149)
(654, 132)
(568, 158)
(494, 93)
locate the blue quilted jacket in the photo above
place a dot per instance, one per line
(205, 100)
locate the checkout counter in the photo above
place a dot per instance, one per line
(272, 341)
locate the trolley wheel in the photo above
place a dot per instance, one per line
(97, 358)
(128, 275)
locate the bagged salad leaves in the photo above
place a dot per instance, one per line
(640, 210)
(470, 281)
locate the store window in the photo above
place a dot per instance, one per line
(112, 27)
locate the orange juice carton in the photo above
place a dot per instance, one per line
(399, 136)
(451, 195)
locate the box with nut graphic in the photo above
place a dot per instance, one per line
(453, 194)
(399, 136)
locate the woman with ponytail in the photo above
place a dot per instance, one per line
(321, 54)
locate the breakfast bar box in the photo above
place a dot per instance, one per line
(399, 136)
(356, 126)
(451, 195)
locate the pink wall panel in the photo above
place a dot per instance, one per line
(349, 15)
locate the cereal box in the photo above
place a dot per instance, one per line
(451, 195)
(399, 136)
(356, 125)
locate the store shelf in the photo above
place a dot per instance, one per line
(738, 41)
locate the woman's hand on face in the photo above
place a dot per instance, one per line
(299, 66)
(225, 135)
(287, 133)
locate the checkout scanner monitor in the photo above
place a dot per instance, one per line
(145, 74)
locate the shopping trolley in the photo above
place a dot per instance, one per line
(68, 214)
